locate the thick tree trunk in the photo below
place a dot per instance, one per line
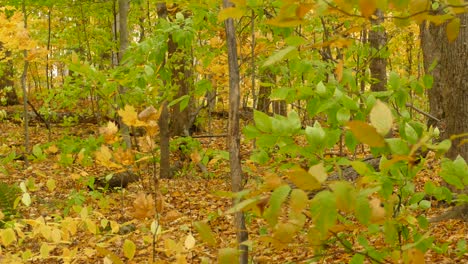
(378, 64)
(234, 132)
(448, 97)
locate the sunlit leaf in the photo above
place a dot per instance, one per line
(129, 249)
(228, 256)
(279, 55)
(8, 236)
(366, 133)
(367, 7)
(303, 179)
(381, 118)
(205, 233)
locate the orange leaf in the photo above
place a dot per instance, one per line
(453, 28)
(366, 133)
(367, 7)
(144, 206)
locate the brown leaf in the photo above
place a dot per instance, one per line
(144, 206)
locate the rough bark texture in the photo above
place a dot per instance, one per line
(280, 107)
(234, 132)
(448, 97)
(378, 64)
(264, 92)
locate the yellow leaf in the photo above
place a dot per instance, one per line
(366, 133)
(130, 116)
(415, 256)
(339, 70)
(8, 236)
(51, 184)
(231, 12)
(453, 28)
(367, 7)
(109, 132)
(304, 180)
(129, 249)
(189, 241)
(381, 118)
(303, 9)
(45, 250)
(319, 172)
(195, 157)
(377, 210)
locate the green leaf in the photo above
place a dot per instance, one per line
(357, 259)
(129, 249)
(343, 115)
(410, 134)
(323, 210)
(350, 141)
(228, 256)
(319, 172)
(262, 121)
(205, 232)
(280, 93)
(455, 172)
(321, 89)
(278, 197)
(381, 118)
(279, 55)
(366, 134)
(398, 146)
(363, 210)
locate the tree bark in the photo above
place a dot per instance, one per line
(234, 132)
(123, 45)
(448, 98)
(378, 64)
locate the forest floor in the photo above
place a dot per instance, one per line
(189, 197)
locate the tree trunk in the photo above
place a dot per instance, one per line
(234, 132)
(123, 45)
(163, 122)
(8, 94)
(448, 98)
(263, 104)
(280, 107)
(378, 64)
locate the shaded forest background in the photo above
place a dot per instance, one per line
(298, 121)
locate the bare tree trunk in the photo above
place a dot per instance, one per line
(267, 78)
(448, 98)
(280, 107)
(378, 64)
(25, 90)
(234, 132)
(163, 122)
(123, 45)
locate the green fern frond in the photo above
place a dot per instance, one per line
(8, 194)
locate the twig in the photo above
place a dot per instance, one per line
(422, 112)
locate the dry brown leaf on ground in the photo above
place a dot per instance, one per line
(144, 206)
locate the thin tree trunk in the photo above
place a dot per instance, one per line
(25, 90)
(163, 122)
(234, 132)
(378, 65)
(123, 41)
